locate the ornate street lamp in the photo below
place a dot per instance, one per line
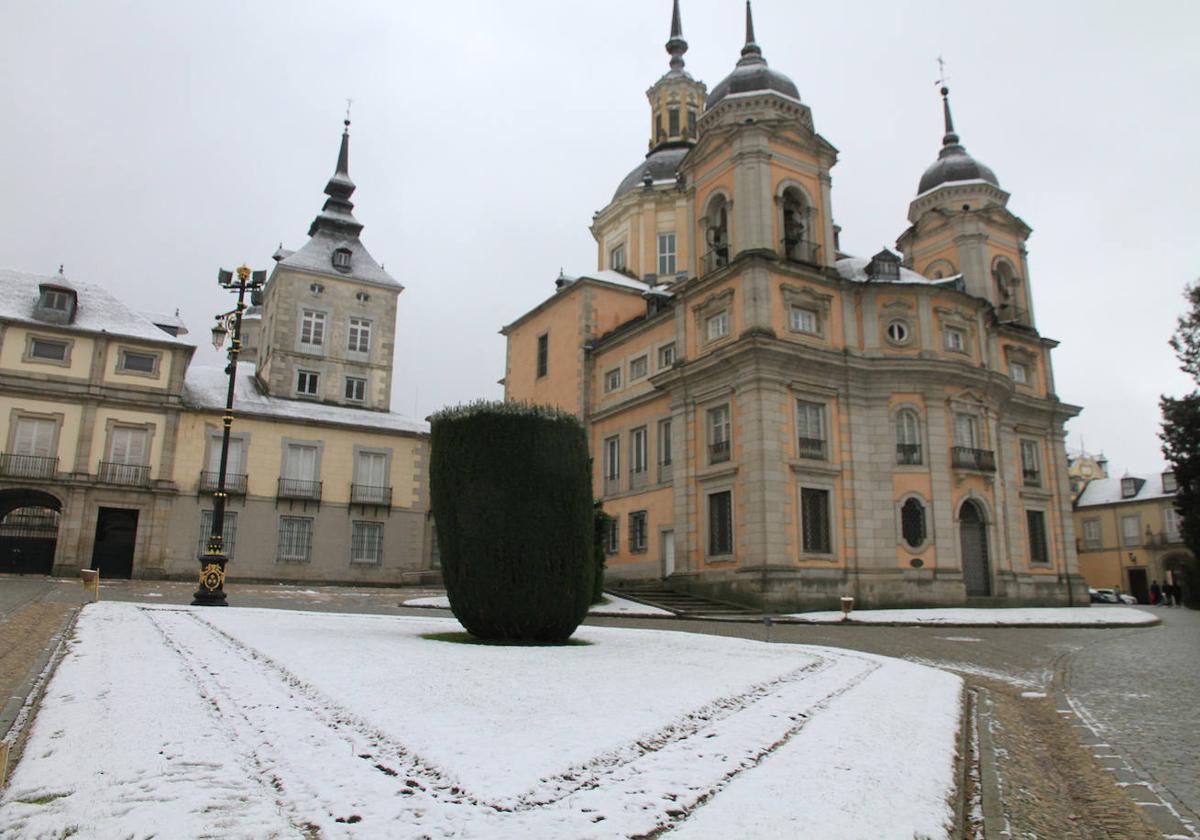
(212, 563)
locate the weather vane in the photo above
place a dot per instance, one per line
(942, 79)
(350, 102)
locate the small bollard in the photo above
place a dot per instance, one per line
(847, 605)
(767, 622)
(91, 580)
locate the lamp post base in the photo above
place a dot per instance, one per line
(212, 582)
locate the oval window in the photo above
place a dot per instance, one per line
(897, 332)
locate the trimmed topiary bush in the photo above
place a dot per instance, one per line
(510, 486)
(600, 522)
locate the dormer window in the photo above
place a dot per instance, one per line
(341, 259)
(53, 299)
(616, 258)
(55, 304)
(1129, 488)
(1169, 484)
(884, 267)
(362, 297)
(316, 288)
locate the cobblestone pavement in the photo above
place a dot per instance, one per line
(1134, 690)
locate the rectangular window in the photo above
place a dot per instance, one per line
(1171, 524)
(1031, 464)
(717, 326)
(612, 535)
(44, 348)
(1036, 522)
(1091, 533)
(814, 519)
(637, 532)
(956, 340)
(356, 389)
(312, 328)
(359, 336)
(1131, 530)
(810, 422)
(639, 454)
(666, 356)
(1018, 372)
(612, 459)
(134, 362)
(720, 523)
(370, 478)
(307, 382)
(129, 446)
(236, 462)
(666, 247)
(228, 534)
(664, 442)
(34, 436)
(691, 122)
(616, 258)
(673, 122)
(543, 354)
(803, 320)
(295, 539)
(300, 462)
(966, 431)
(638, 368)
(54, 300)
(612, 380)
(1169, 484)
(719, 433)
(366, 543)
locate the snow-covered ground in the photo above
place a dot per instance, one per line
(612, 605)
(182, 722)
(968, 617)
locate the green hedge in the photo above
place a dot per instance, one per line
(599, 532)
(510, 487)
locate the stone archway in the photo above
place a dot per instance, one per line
(28, 531)
(972, 531)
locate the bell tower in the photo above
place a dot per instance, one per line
(676, 99)
(961, 226)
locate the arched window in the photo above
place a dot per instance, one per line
(908, 437)
(798, 244)
(716, 233)
(1008, 303)
(912, 523)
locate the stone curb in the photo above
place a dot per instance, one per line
(18, 713)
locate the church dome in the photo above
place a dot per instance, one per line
(660, 165)
(953, 163)
(752, 74)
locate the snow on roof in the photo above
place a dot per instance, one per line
(617, 278)
(317, 255)
(97, 311)
(854, 269)
(966, 182)
(206, 387)
(1107, 491)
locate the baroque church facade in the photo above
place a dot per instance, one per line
(776, 422)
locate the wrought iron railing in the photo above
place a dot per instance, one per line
(811, 447)
(235, 483)
(718, 257)
(295, 488)
(718, 451)
(28, 466)
(111, 472)
(964, 457)
(908, 454)
(1032, 478)
(800, 250)
(370, 494)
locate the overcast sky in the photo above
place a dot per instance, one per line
(145, 144)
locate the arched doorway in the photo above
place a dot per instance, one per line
(28, 531)
(972, 531)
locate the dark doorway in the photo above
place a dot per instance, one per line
(973, 537)
(28, 531)
(116, 532)
(1137, 586)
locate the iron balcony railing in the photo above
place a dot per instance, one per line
(295, 488)
(235, 483)
(718, 257)
(718, 451)
(1032, 478)
(370, 494)
(908, 454)
(638, 478)
(800, 250)
(28, 466)
(129, 474)
(665, 472)
(964, 457)
(811, 447)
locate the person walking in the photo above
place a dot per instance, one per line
(1155, 594)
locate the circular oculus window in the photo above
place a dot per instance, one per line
(897, 332)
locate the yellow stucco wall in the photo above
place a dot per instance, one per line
(107, 417)
(16, 339)
(68, 414)
(159, 379)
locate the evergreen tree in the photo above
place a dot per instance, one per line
(1181, 441)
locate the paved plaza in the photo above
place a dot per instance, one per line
(1128, 694)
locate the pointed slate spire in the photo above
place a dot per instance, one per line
(337, 214)
(676, 46)
(950, 138)
(751, 53)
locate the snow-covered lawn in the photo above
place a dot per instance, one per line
(612, 605)
(969, 617)
(180, 722)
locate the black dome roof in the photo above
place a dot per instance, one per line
(749, 77)
(662, 164)
(954, 164)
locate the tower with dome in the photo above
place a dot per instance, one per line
(779, 423)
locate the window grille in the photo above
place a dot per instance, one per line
(366, 543)
(295, 539)
(720, 523)
(814, 515)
